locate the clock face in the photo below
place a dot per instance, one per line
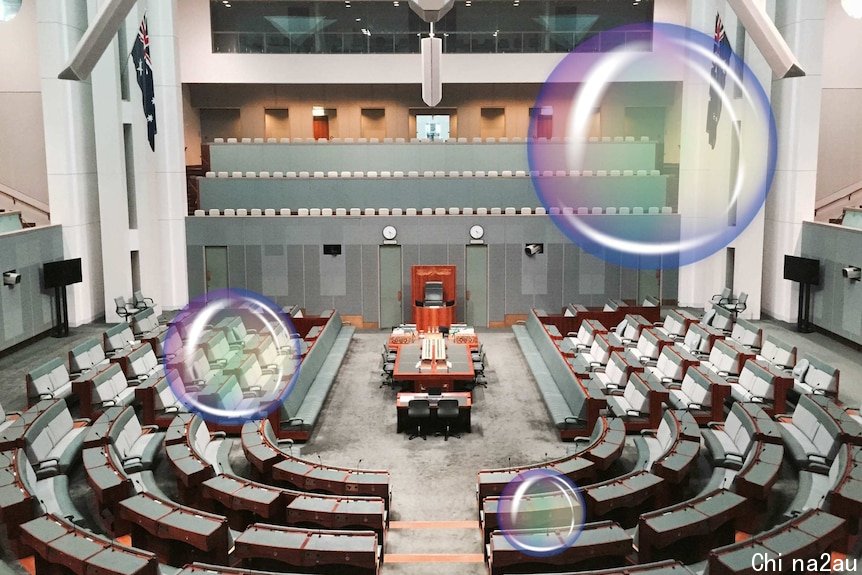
(476, 232)
(389, 232)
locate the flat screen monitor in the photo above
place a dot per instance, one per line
(332, 249)
(433, 293)
(62, 273)
(443, 329)
(802, 270)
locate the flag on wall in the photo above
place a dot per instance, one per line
(721, 49)
(144, 73)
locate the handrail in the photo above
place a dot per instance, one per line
(843, 197)
(18, 197)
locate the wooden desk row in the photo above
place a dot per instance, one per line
(244, 501)
(606, 446)
(282, 467)
(60, 545)
(599, 544)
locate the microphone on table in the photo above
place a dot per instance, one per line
(358, 463)
(509, 464)
(319, 459)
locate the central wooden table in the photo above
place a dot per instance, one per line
(437, 375)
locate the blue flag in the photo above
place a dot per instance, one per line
(144, 73)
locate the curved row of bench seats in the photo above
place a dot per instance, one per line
(263, 451)
(440, 174)
(503, 140)
(526, 211)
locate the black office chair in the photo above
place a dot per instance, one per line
(418, 411)
(141, 302)
(389, 353)
(479, 366)
(476, 354)
(124, 309)
(387, 370)
(448, 412)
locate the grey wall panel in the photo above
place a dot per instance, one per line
(457, 256)
(195, 259)
(370, 283)
(409, 258)
(436, 156)
(333, 273)
(295, 275)
(496, 281)
(265, 269)
(314, 297)
(236, 266)
(26, 310)
(837, 302)
(294, 193)
(567, 274)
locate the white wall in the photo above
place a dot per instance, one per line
(840, 150)
(22, 155)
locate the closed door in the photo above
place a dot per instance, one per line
(476, 298)
(215, 266)
(321, 127)
(390, 287)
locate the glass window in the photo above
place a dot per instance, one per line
(384, 26)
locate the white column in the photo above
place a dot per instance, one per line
(169, 169)
(706, 173)
(796, 104)
(70, 153)
(113, 198)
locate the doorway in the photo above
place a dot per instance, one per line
(321, 127)
(391, 286)
(433, 126)
(220, 123)
(215, 268)
(476, 296)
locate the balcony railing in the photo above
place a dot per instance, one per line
(408, 42)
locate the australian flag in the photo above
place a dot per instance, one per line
(144, 72)
(722, 50)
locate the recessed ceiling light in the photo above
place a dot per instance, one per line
(359, 19)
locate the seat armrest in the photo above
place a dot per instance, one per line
(716, 425)
(633, 412)
(648, 432)
(573, 419)
(172, 409)
(253, 331)
(83, 420)
(695, 406)
(149, 429)
(756, 399)
(218, 435)
(46, 396)
(109, 403)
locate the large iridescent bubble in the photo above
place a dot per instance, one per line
(541, 512)
(727, 147)
(232, 356)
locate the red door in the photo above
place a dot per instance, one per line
(321, 127)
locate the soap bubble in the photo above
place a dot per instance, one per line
(232, 356)
(727, 148)
(541, 512)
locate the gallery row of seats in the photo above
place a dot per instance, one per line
(503, 140)
(526, 211)
(439, 174)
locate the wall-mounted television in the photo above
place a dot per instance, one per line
(802, 270)
(332, 249)
(62, 273)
